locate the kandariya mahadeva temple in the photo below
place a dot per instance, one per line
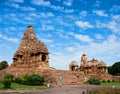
(31, 53)
(33, 56)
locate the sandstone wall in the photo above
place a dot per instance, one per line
(116, 78)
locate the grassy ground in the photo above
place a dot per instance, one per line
(15, 86)
(111, 84)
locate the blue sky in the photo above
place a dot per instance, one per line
(69, 28)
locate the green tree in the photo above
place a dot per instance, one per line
(115, 70)
(110, 69)
(7, 82)
(3, 65)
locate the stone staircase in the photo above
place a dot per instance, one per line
(69, 77)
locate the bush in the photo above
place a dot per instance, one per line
(113, 81)
(103, 81)
(108, 81)
(9, 76)
(33, 79)
(94, 81)
(18, 80)
(7, 82)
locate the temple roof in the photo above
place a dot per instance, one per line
(30, 43)
(73, 63)
(101, 64)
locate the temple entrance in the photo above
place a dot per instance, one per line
(72, 68)
(43, 58)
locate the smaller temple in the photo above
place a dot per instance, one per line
(92, 66)
(73, 66)
(89, 66)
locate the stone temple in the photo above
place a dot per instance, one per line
(92, 66)
(89, 66)
(32, 55)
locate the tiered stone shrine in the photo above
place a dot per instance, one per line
(31, 53)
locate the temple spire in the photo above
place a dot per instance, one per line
(31, 50)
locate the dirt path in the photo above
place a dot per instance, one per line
(57, 90)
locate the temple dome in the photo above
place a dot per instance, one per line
(101, 64)
(74, 63)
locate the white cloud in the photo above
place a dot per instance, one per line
(98, 36)
(14, 40)
(47, 28)
(10, 30)
(100, 24)
(68, 2)
(83, 14)
(34, 15)
(115, 8)
(100, 13)
(45, 15)
(116, 17)
(68, 10)
(41, 2)
(58, 8)
(113, 25)
(28, 9)
(61, 34)
(47, 40)
(15, 5)
(70, 49)
(17, 1)
(83, 38)
(60, 61)
(83, 25)
(60, 21)
(97, 4)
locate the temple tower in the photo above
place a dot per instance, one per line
(83, 59)
(31, 52)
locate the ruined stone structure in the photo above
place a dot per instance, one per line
(92, 66)
(31, 52)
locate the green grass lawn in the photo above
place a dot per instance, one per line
(111, 83)
(15, 86)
